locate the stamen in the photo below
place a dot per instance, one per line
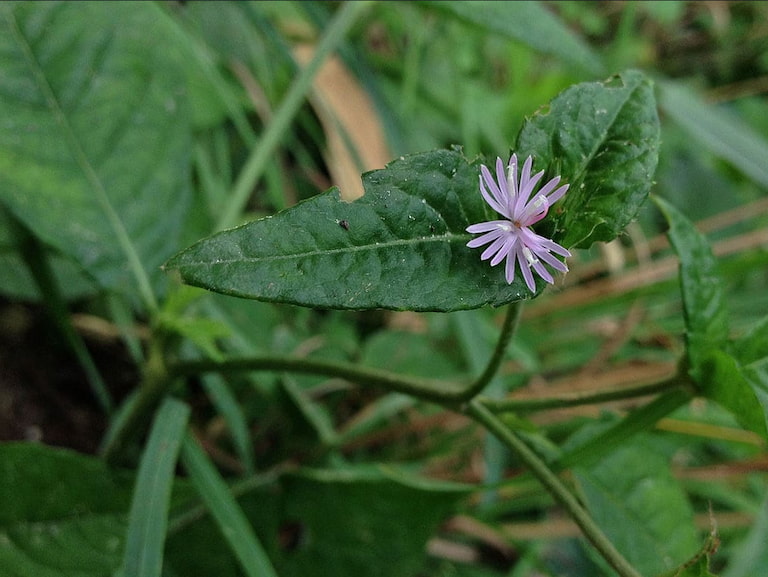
(529, 256)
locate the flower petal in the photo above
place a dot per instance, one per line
(493, 198)
(557, 195)
(489, 226)
(486, 238)
(507, 245)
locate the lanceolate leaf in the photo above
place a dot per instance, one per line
(94, 135)
(706, 322)
(403, 244)
(603, 139)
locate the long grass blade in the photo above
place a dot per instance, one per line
(148, 519)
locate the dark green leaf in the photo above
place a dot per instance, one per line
(635, 499)
(95, 139)
(750, 358)
(401, 246)
(603, 139)
(67, 514)
(372, 522)
(530, 23)
(725, 381)
(706, 322)
(145, 541)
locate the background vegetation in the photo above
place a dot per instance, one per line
(128, 131)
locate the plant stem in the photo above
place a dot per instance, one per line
(133, 414)
(578, 398)
(508, 329)
(555, 487)
(264, 151)
(437, 391)
(442, 392)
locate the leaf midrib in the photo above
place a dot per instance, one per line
(82, 161)
(450, 237)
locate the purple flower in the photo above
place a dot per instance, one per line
(513, 238)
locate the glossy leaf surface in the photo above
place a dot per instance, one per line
(403, 244)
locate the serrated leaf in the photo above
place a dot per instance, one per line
(603, 139)
(527, 22)
(640, 506)
(706, 322)
(401, 246)
(94, 134)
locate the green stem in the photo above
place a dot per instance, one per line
(132, 417)
(555, 487)
(507, 332)
(263, 153)
(578, 398)
(437, 391)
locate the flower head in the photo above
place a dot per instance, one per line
(512, 238)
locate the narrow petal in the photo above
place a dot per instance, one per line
(485, 239)
(534, 211)
(502, 180)
(508, 245)
(491, 198)
(510, 266)
(525, 192)
(494, 248)
(542, 272)
(489, 226)
(552, 261)
(512, 176)
(558, 194)
(525, 268)
(550, 186)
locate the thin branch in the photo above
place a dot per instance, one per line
(555, 487)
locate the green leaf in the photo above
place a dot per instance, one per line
(706, 321)
(143, 556)
(95, 137)
(725, 381)
(401, 246)
(714, 128)
(530, 23)
(362, 521)
(67, 514)
(750, 556)
(230, 518)
(603, 139)
(634, 498)
(750, 354)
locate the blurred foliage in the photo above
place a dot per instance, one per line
(408, 77)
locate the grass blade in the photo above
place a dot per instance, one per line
(232, 522)
(149, 510)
